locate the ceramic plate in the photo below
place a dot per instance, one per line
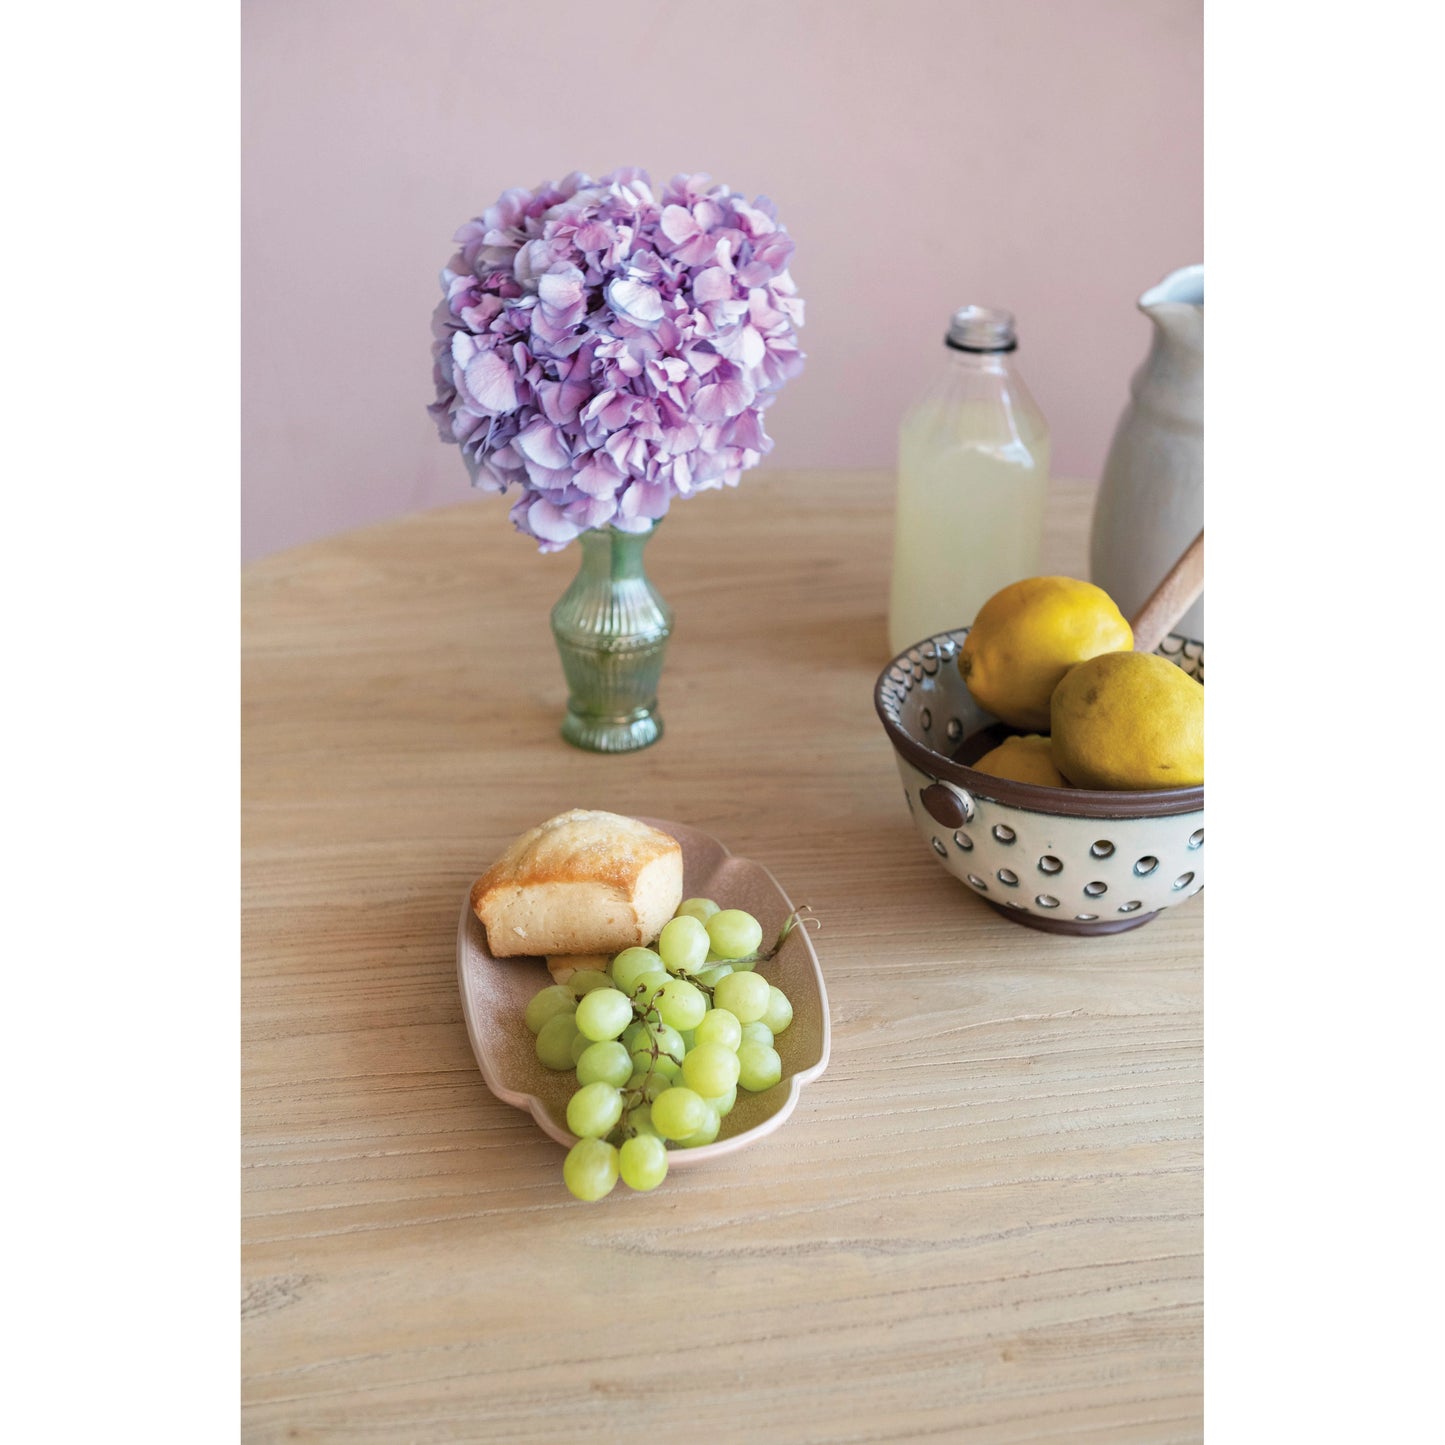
(495, 992)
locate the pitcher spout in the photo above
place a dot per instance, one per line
(1176, 306)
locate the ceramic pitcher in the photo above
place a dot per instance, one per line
(1150, 504)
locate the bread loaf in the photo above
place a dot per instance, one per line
(582, 882)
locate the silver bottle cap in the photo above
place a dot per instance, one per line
(981, 328)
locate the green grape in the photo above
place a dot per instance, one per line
(607, 1062)
(744, 995)
(733, 933)
(640, 1119)
(590, 1168)
(710, 1070)
(688, 1037)
(779, 1012)
(758, 1033)
(718, 1026)
(636, 1035)
(585, 980)
(681, 1005)
(603, 1014)
(722, 1106)
(682, 945)
(580, 1044)
(759, 1067)
(712, 973)
(642, 1162)
(554, 1043)
(664, 1067)
(678, 1112)
(669, 1041)
(552, 1000)
(594, 1110)
(700, 908)
(706, 1134)
(631, 964)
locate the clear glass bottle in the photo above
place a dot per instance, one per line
(973, 470)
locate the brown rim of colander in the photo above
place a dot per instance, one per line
(1032, 797)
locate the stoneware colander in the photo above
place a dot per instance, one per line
(1067, 860)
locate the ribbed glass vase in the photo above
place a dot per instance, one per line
(612, 627)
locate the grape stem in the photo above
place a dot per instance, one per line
(799, 917)
(639, 1095)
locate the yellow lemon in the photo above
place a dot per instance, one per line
(1129, 720)
(1028, 635)
(1025, 760)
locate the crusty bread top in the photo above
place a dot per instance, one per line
(580, 846)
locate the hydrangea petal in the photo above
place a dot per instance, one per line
(560, 288)
(637, 301)
(713, 284)
(550, 523)
(490, 382)
(746, 430)
(698, 250)
(542, 443)
(593, 236)
(590, 512)
(723, 399)
(598, 477)
(677, 223)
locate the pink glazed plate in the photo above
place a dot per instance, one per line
(495, 992)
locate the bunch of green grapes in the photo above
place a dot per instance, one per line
(661, 1043)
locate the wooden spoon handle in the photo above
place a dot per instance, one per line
(1171, 599)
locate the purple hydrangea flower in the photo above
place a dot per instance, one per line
(606, 348)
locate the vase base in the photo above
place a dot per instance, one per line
(611, 735)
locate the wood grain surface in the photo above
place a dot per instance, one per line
(982, 1223)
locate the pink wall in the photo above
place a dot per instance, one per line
(1043, 155)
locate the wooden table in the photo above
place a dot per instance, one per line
(983, 1222)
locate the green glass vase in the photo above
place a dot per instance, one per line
(611, 627)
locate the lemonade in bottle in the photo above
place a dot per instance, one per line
(973, 469)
